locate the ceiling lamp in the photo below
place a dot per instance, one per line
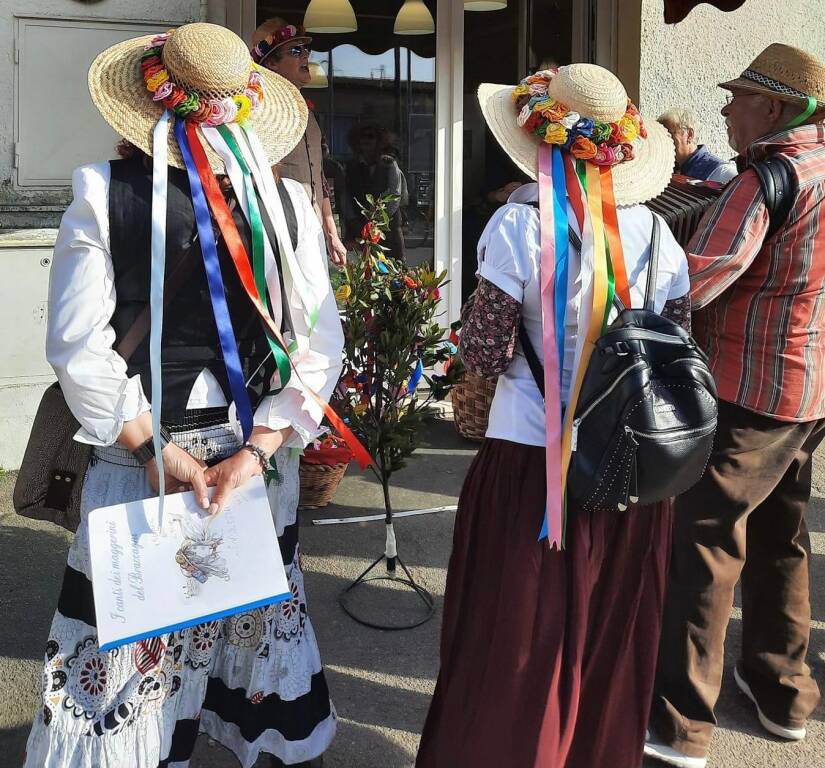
(484, 5)
(333, 16)
(414, 18)
(317, 75)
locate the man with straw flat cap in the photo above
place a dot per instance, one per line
(240, 347)
(758, 294)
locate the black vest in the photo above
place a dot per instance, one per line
(190, 339)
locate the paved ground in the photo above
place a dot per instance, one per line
(381, 681)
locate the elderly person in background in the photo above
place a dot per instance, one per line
(284, 49)
(692, 159)
(760, 316)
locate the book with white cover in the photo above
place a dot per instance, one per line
(200, 569)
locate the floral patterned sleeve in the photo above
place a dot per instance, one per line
(678, 310)
(489, 330)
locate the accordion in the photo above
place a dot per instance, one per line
(683, 203)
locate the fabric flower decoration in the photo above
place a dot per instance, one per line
(570, 120)
(520, 90)
(583, 148)
(585, 127)
(553, 111)
(534, 122)
(629, 129)
(409, 282)
(601, 132)
(556, 134)
(524, 115)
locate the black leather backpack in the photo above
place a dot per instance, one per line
(646, 415)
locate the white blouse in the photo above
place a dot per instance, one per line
(509, 256)
(82, 300)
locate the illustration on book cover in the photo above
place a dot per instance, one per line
(199, 556)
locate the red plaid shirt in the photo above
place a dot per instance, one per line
(761, 304)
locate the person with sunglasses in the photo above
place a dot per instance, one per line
(284, 49)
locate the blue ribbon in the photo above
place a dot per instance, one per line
(211, 262)
(416, 377)
(562, 248)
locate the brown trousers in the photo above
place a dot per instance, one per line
(744, 519)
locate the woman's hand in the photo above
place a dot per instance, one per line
(230, 474)
(337, 250)
(182, 471)
(234, 471)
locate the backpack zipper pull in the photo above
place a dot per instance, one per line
(632, 489)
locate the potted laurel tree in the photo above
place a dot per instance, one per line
(392, 341)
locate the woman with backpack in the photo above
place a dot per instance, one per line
(553, 604)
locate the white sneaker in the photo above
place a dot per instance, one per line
(791, 734)
(665, 754)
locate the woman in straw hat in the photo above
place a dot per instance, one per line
(249, 322)
(284, 48)
(549, 639)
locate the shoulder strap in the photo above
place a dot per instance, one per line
(289, 213)
(653, 265)
(778, 183)
(536, 368)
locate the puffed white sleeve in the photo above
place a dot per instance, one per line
(318, 359)
(508, 247)
(79, 337)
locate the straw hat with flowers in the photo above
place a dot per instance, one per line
(584, 110)
(202, 73)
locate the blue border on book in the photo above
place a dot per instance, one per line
(199, 620)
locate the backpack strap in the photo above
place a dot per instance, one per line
(778, 183)
(653, 265)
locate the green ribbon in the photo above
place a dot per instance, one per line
(258, 266)
(810, 108)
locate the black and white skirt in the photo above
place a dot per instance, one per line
(253, 681)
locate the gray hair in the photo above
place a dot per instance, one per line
(679, 118)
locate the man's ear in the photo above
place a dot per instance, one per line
(691, 135)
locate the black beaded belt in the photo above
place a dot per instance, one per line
(198, 418)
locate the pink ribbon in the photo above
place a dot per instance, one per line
(552, 393)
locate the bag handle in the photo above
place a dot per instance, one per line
(143, 322)
(653, 264)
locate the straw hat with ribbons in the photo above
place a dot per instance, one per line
(788, 74)
(193, 98)
(576, 132)
(274, 34)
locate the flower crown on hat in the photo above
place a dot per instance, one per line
(605, 144)
(190, 105)
(269, 43)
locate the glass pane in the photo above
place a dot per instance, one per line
(377, 116)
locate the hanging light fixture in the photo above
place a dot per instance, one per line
(484, 5)
(317, 75)
(414, 18)
(333, 16)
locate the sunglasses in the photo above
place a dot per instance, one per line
(299, 50)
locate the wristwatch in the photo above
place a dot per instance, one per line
(145, 452)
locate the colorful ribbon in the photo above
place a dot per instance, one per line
(160, 175)
(552, 527)
(415, 379)
(237, 252)
(194, 159)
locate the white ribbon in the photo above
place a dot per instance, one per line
(160, 175)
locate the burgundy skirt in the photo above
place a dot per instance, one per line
(547, 658)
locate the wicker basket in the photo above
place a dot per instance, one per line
(319, 483)
(471, 399)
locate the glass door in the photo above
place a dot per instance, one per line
(373, 94)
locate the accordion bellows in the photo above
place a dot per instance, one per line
(683, 203)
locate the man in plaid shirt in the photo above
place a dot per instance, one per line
(759, 313)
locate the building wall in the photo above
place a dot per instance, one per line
(12, 199)
(682, 64)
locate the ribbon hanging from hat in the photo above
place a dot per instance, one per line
(602, 261)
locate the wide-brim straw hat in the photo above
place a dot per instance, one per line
(208, 59)
(783, 72)
(595, 93)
